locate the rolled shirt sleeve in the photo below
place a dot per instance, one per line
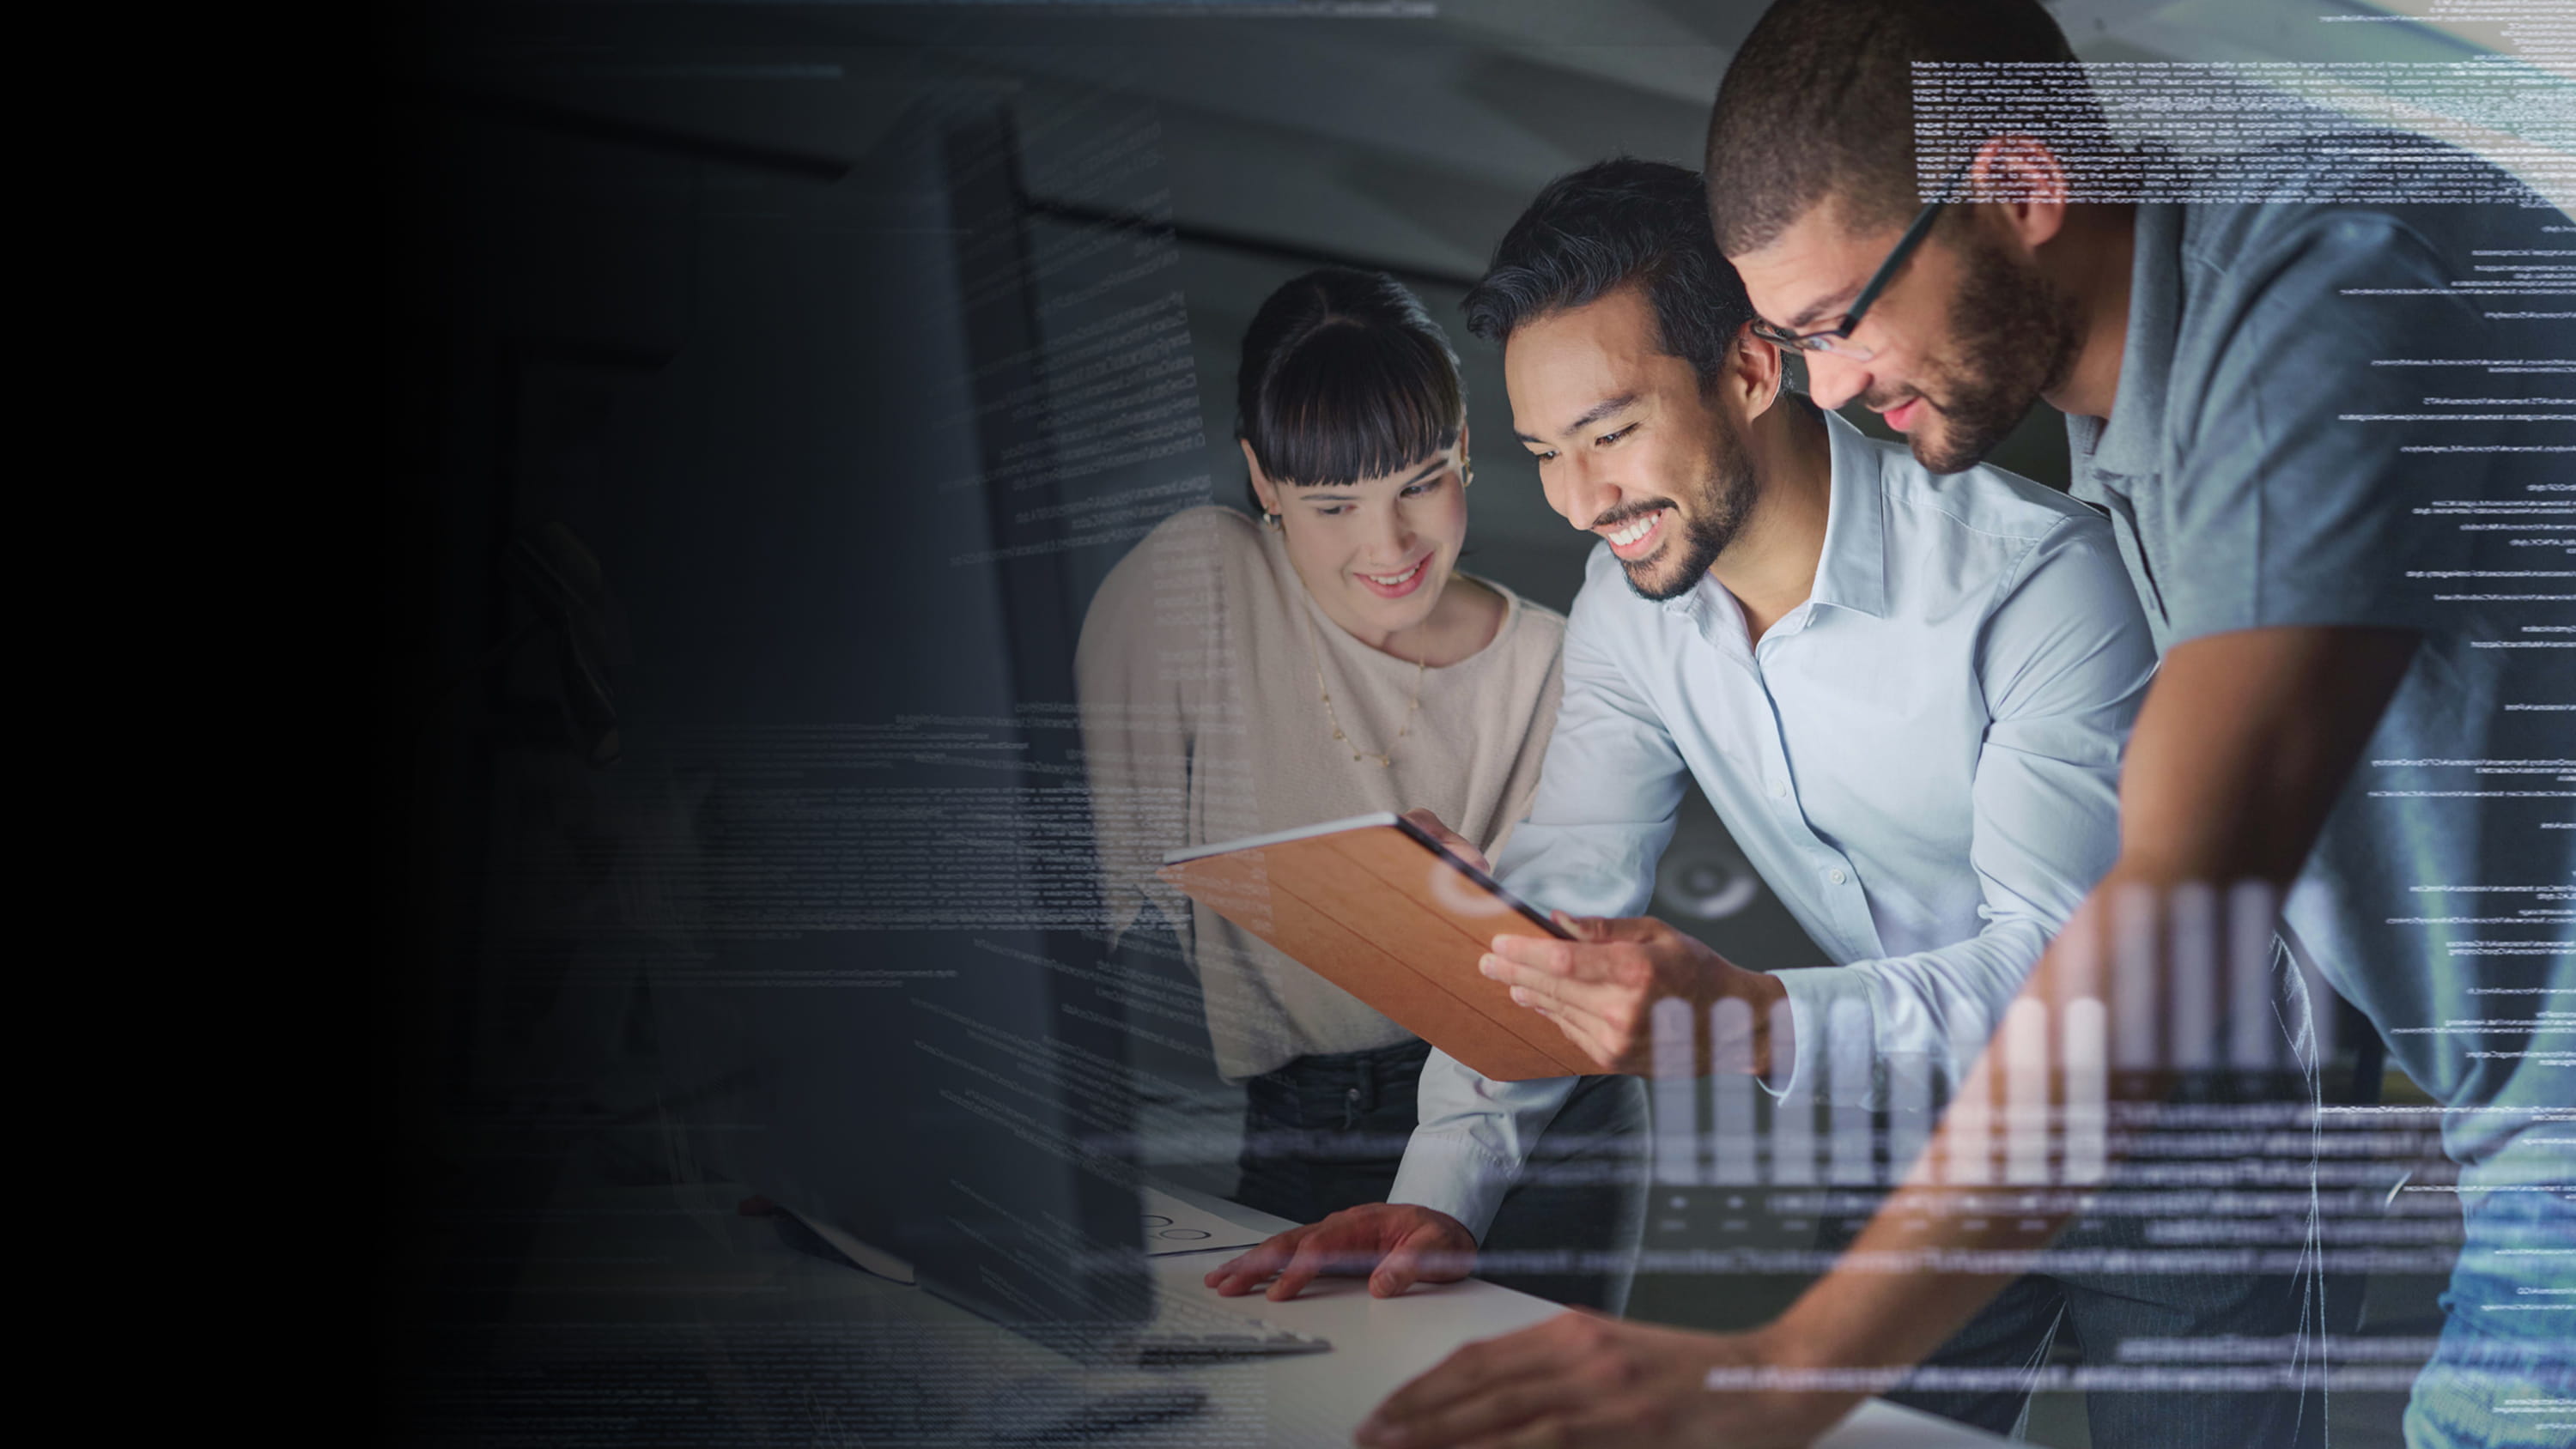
(1604, 812)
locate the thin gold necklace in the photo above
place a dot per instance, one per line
(1385, 760)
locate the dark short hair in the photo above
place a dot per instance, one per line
(1345, 377)
(1600, 228)
(1819, 101)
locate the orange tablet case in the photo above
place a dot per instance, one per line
(1376, 907)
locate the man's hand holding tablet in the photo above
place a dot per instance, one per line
(1601, 987)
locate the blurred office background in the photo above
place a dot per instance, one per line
(651, 283)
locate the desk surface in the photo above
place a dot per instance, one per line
(1381, 1343)
(635, 1297)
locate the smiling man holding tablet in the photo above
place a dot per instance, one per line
(1905, 693)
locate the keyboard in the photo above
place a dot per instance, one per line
(1187, 1328)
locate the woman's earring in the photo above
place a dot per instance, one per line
(1270, 521)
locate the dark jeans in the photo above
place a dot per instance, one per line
(1325, 1133)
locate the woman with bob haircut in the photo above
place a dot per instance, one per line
(1328, 660)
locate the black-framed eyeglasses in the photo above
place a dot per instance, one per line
(1836, 339)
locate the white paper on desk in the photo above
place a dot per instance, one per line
(1173, 1226)
(874, 1260)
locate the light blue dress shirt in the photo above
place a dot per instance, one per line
(1921, 761)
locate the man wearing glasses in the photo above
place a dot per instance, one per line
(2358, 682)
(1906, 695)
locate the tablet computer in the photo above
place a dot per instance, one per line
(1379, 908)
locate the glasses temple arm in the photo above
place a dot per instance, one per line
(1905, 245)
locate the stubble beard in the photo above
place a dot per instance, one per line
(2017, 339)
(1710, 518)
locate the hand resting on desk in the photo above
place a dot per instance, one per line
(1581, 1381)
(1396, 1244)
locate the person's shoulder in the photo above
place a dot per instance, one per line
(1537, 630)
(2337, 201)
(1209, 535)
(1203, 527)
(2245, 252)
(1530, 629)
(1984, 499)
(1208, 543)
(1533, 614)
(2028, 550)
(2280, 313)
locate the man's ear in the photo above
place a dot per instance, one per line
(2027, 183)
(1262, 488)
(1756, 373)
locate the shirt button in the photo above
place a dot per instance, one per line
(1836, 875)
(1779, 791)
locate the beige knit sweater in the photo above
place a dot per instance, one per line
(1201, 723)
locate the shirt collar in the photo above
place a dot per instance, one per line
(2126, 444)
(1852, 574)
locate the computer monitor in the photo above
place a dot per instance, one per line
(969, 1125)
(963, 1102)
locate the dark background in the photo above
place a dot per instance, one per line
(653, 275)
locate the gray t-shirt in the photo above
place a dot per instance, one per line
(2315, 427)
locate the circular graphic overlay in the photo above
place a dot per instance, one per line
(1709, 886)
